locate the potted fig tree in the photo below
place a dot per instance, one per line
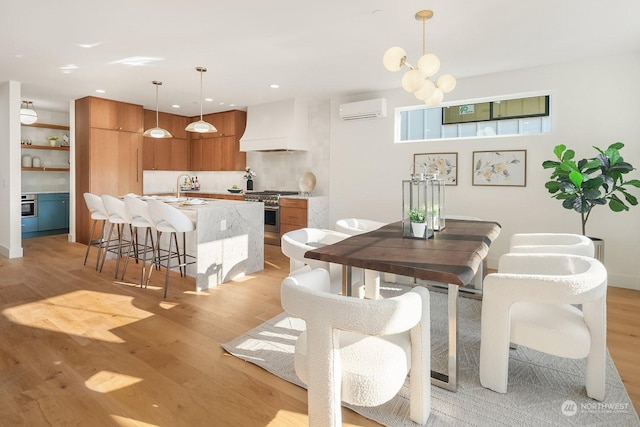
(584, 184)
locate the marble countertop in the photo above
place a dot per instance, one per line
(46, 192)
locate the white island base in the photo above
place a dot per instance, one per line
(228, 241)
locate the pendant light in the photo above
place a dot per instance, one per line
(201, 126)
(157, 132)
(418, 79)
(28, 115)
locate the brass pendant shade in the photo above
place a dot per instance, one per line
(157, 132)
(201, 126)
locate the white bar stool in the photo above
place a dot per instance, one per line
(142, 219)
(98, 213)
(171, 220)
(118, 216)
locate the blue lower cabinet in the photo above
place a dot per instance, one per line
(30, 224)
(52, 218)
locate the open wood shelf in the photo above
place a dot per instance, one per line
(46, 169)
(44, 147)
(48, 126)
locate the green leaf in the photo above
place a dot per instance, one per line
(617, 205)
(591, 193)
(576, 178)
(613, 155)
(630, 198)
(552, 186)
(617, 145)
(547, 164)
(568, 155)
(591, 164)
(634, 182)
(559, 149)
(568, 187)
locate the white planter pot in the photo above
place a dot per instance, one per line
(418, 228)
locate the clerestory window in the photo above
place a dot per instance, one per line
(515, 116)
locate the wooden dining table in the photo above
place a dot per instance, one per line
(453, 257)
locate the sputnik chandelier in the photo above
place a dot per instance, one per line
(417, 79)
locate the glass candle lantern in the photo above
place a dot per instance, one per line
(416, 205)
(437, 214)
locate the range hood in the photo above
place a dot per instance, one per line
(276, 126)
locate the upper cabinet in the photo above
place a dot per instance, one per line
(166, 153)
(114, 115)
(219, 151)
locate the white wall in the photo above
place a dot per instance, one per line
(594, 102)
(10, 216)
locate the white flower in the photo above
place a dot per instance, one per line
(248, 173)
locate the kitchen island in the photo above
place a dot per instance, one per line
(228, 240)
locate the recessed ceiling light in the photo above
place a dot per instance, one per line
(68, 68)
(101, 91)
(88, 45)
(175, 106)
(221, 103)
(274, 86)
(232, 105)
(137, 61)
(208, 99)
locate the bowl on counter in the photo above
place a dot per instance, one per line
(234, 190)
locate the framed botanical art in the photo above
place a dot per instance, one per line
(443, 164)
(501, 168)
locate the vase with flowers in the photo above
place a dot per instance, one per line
(248, 175)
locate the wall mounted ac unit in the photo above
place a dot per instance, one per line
(371, 109)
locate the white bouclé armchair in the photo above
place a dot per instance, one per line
(358, 350)
(530, 302)
(559, 243)
(294, 244)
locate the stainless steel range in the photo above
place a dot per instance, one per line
(271, 200)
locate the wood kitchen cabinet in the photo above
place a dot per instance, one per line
(293, 214)
(114, 115)
(219, 151)
(108, 158)
(166, 153)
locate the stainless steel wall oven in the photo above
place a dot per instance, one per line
(29, 205)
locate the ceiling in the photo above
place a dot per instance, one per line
(333, 49)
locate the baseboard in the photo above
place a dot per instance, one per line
(6, 252)
(625, 282)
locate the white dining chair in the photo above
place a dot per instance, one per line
(294, 244)
(531, 302)
(358, 351)
(562, 243)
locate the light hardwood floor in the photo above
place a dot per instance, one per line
(78, 348)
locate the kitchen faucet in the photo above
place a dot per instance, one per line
(185, 183)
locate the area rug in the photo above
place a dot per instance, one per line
(542, 389)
